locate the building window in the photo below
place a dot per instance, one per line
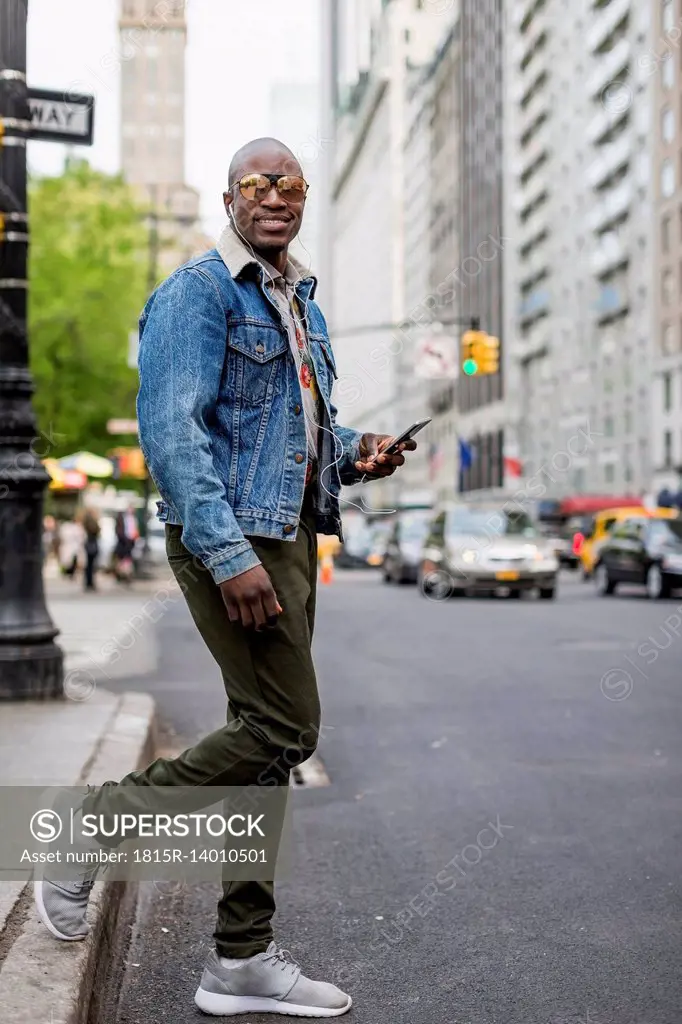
(667, 178)
(608, 426)
(665, 232)
(668, 449)
(667, 392)
(667, 287)
(668, 73)
(668, 15)
(667, 339)
(609, 473)
(668, 125)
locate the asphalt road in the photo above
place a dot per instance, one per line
(500, 841)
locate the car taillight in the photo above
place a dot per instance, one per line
(578, 541)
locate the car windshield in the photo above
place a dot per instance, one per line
(491, 522)
(576, 524)
(358, 536)
(667, 531)
(414, 527)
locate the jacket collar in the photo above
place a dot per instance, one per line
(237, 257)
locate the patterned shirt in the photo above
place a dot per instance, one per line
(282, 290)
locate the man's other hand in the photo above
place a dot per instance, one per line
(250, 598)
(372, 463)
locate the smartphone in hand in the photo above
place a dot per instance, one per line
(406, 435)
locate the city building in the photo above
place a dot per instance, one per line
(153, 40)
(412, 387)
(578, 242)
(440, 89)
(374, 46)
(461, 89)
(663, 65)
(466, 231)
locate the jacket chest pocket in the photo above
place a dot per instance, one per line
(256, 362)
(323, 357)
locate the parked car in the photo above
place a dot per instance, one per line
(478, 548)
(601, 526)
(364, 542)
(404, 546)
(647, 551)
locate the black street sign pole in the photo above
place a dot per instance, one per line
(31, 663)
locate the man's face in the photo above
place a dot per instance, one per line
(269, 223)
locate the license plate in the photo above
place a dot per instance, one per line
(509, 574)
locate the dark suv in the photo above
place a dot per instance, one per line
(645, 551)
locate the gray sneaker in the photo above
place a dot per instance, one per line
(269, 982)
(62, 906)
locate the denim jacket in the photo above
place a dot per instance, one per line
(220, 410)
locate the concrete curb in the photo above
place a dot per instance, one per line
(47, 982)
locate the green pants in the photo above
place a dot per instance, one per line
(273, 712)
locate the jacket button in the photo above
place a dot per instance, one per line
(260, 348)
(298, 458)
(297, 410)
(289, 529)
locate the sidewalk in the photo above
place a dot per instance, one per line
(108, 634)
(91, 736)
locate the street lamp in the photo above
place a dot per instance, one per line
(31, 664)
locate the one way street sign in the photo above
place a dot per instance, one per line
(61, 117)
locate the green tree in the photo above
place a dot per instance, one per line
(88, 273)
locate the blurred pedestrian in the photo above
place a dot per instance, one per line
(50, 535)
(71, 546)
(91, 528)
(127, 534)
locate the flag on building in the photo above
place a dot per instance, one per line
(513, 467)
(466, 454)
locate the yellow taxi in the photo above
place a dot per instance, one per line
(601, 526)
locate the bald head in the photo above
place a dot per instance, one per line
(267, 220)
(271, 148)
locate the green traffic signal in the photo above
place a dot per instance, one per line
(470, 367)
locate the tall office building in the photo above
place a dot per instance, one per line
(457, 101)
(374, 46)
(480, 411)
(664, 67)
(578, 246)
(153, 38)
(439, 97)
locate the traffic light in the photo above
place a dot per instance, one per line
(471, 352)
(489, 357)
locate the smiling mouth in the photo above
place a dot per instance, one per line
(273, 222)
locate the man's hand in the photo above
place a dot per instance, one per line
(372, 463)
(250, 598)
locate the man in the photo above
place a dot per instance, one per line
(240, 435)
